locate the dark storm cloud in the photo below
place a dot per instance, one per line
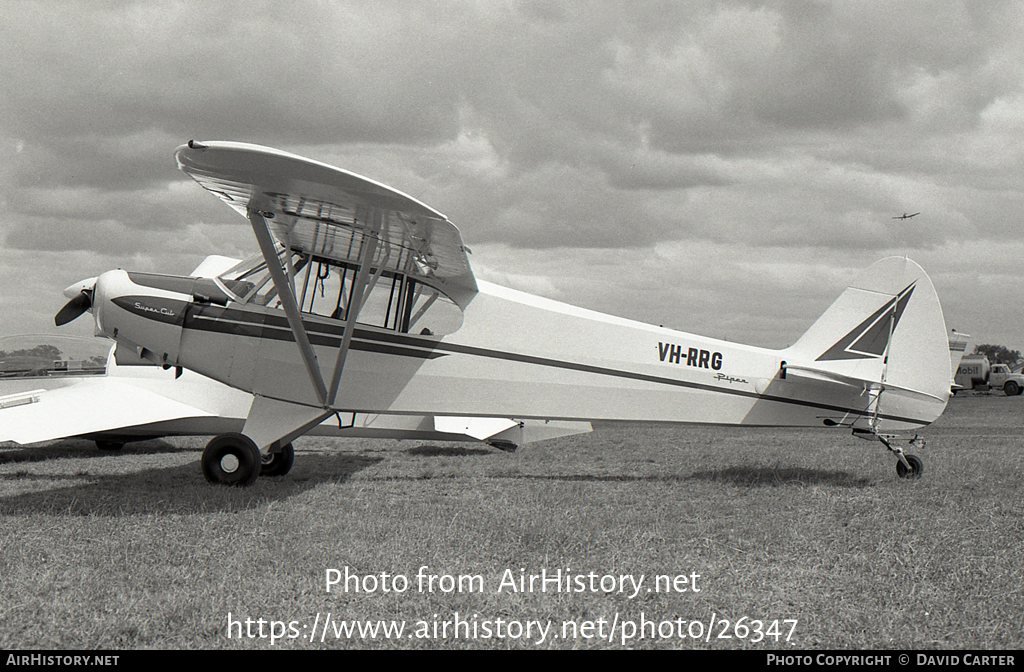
(282, 71)
(540, 128)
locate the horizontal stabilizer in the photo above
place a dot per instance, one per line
(862, 383)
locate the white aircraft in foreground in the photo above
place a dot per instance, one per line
(363, 301)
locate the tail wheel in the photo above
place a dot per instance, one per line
(231, 459)
(916, 467)
(1011, 389)
(278, 464)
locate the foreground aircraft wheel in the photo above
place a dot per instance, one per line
(278, 464)
(231, 459)
(109, 445)
(916, 467)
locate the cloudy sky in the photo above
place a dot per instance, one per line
(725, 168)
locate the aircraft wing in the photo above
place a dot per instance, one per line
(326, 212)
(84, 407)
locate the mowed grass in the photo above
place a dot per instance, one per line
(135, 550)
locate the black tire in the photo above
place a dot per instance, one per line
(1011, 389)
(916, 467)
(278, 464)
(109, 445)
(231, 459)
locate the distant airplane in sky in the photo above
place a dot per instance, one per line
(906, 216)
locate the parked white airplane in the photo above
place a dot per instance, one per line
(363, 301)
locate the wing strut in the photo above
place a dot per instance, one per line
(355, 301)
(287, 296)
(363, 279)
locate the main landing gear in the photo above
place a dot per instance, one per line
(234, 459)
(231, 459)
(279, 463)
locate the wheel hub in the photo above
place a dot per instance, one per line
(229, 464)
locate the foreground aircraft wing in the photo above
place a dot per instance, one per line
(104, 405)
(85, 407)
(327, 212)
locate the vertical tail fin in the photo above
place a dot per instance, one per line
(887, 326)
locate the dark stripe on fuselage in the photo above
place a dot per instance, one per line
(254, 324)
(273, 327)
(587, 368)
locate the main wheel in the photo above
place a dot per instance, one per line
(231, 459)
(1011, 389)
(916, 467)
(278, 464)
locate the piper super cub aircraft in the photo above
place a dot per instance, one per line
(363, 301)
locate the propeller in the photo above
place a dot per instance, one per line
(80, 294)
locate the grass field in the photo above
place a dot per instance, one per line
(135, 550)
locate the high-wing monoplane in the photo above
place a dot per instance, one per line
(906, 216)
(362, 300)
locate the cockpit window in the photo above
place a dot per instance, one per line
(323, 287)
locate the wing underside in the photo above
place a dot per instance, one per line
(329, 213)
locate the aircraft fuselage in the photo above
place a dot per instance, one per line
(515, 355)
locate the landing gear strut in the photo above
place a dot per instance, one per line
(231, 459)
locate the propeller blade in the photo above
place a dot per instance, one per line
(73, 308)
